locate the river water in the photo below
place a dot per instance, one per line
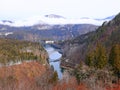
(54, 59)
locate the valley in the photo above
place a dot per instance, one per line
(59, 45)
(60, 56)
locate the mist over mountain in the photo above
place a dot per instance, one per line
(53, 19)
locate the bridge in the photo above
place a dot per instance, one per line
(54, 60)
(49, 42)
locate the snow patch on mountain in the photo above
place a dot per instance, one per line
(54, 20)
(54, 16)
(6, 33)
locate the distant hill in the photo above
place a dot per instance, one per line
(45, 32)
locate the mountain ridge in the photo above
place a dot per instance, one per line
(53, 19)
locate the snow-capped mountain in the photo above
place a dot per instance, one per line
(53, 19)
(54, 16)
(107, 18)
(7, 21)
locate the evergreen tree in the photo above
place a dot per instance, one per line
(114, 57)
(55, 76)
(97, 58)
(90, 59)
(100, 57)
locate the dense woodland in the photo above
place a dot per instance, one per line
(13, 51)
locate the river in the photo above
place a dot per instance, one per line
(54, 59)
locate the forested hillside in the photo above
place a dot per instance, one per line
(14, 51)
(94, 58)
(107, 35)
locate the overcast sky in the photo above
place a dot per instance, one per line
(20, 9)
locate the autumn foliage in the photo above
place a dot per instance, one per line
(20, 77)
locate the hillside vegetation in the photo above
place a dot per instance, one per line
(107, 35)
(13, 51)
(94, 58)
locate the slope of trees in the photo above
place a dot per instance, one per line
(107, 34)
(101, 62)
(12, 51)
(114, 59)
(100, 71)
(97, 58)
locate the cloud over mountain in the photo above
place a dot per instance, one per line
(53, 19)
